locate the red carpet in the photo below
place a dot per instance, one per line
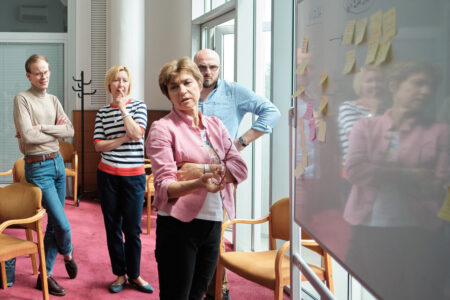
(95, 273)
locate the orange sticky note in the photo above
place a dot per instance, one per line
(302, 67)
(321, 136)
(372, 49)
(389, 24)
(375, 25)
(360, 30)
(350, 60)
(305, 45)
(347, 39)
(383, 52)
(323, 78)
(323, 105)
(300, 91)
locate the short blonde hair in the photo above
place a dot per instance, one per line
(33, 59)
(111, 75)
(358, 79)
(173, 68)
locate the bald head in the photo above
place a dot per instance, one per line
(208, 61)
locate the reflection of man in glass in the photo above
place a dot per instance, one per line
(398, 164)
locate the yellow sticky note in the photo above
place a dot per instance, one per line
(372, 50)
(323, 105)
(389, 24)
(383, 52)
(305, 45)
(444, 213)
(347, 39)
(360, 30)
(300, 91)
(302, 67)
(299, 170)
(350, 60)
(323, 78)
(321, 136)
(375, 24)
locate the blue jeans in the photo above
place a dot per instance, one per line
(50, 176)
(122, 198)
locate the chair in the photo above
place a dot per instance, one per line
(18, 172)
(20, 205)
(270, 268)
(149, 191)
(69, 155)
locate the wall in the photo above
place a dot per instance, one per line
(168, 37)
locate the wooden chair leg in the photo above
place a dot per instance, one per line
(4, 279)
(278, 292)
(29, 235)
(42, 261)
(75, 190)
(219, 275)
(149, 210)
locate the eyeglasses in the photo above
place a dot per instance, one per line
(212, 68)
(41, 74)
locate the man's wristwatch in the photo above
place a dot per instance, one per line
(206, 169)
(242, 142)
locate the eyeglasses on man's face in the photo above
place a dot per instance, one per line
(212, 68)
(41, 74)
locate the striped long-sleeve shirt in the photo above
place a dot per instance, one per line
(128, 158)
(349, 113)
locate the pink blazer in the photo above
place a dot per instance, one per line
(425, 147)
(173, 140)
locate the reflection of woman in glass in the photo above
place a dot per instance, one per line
(398, 164)
(370, 87)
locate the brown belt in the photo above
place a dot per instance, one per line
(35, 158)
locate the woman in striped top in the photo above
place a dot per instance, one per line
(119, 136)
(370, 86)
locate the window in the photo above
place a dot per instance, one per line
(13, 80)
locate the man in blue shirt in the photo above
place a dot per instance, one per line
(230, 101)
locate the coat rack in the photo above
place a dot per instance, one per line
(81, 93)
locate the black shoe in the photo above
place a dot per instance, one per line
(142, 288)
(117, 288)
(225, 296)
(71, 267)
(53, 287)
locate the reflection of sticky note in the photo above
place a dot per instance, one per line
(347, 39)
(389, 24)
(305, 45)
(323, 105)
(302, 133)
(360, 30)
(304, 157)
(350, 60)
(323, 78)
(383, 52)
(371, 51)
(299, 170)
(444, 213)
(375, 24)
(302, 67)
(321, 136)
(300, 91)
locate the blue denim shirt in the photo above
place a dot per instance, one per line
(230, 101)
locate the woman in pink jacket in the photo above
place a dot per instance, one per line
(190, 212)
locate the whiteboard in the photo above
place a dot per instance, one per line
(373, 190)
